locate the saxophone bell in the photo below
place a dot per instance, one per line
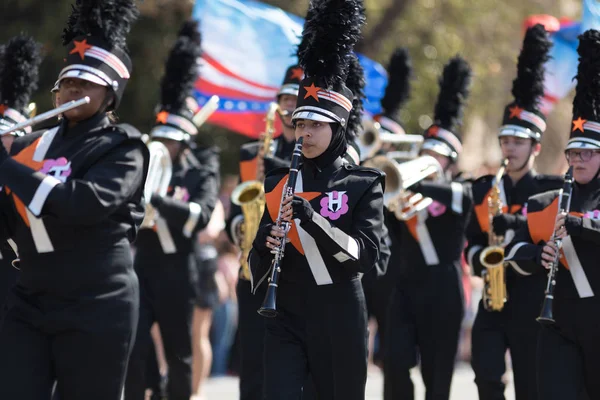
(492, 257)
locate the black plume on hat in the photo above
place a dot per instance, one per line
(397, 90)
(20, 72)
(181, 70)
(523, 117)
(528, 86)
(333, 30)
(108, 20)
(356, 83)
(177, 107)
(585, 131)
(454, 90)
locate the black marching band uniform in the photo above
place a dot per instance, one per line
(76, 196)
(514, 327)
(378, 284)
(427, 305)
(321, 325)
(568, 354)
(18, 81)
(251, 326)
(165, 261)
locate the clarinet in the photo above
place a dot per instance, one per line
(269, 308)
(546, 317)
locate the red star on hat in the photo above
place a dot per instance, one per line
(80, 47)
(515, 112)
(297, 73)
(578, 124)
(433, 130)
(162, 117)
(312, 91)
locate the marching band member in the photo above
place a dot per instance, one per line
(321, 326)
(427, 305)
(165, 259)
(77, 193)
(254, 163)
(568, 354)
(18, 81)
(513, 327)
(379, 283)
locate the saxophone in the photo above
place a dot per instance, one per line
(250, 196)
(492, 257)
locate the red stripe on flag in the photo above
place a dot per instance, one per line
(224, 70)
(207, 87)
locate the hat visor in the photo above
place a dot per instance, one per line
(83, 75)
(578, 143)
(288, 90)
(168, 132)
(517, 131)
(313, 116)
(438, 147)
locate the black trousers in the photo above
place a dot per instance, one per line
(8, 279)
(569, 351)
(425, 319)
(321, 331)
(167, 297)
(514, 328)
(252, 333)
(81, 343)
(378, 294)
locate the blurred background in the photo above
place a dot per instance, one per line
(487, 33)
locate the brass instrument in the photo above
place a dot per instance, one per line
(250, 195)
(399, 177)
(373, 139)
(160, 170)
(492, 257)
(47, 115)
(206, 111)
(31, 110)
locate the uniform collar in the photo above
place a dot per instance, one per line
(311, 169)
(97, 121)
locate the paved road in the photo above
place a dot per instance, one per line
(463, 387)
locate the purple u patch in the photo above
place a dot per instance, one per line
(59, 168)
(334, 205)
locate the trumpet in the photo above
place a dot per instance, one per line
(160, 171)
(47, 115)
(399, 177)
(373, 139)
(546, 316)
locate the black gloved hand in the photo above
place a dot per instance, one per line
(302, 209)
(156, 200)
(504, 222)
(260, 240)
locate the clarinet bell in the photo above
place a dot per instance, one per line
(269, 307)
(546, 317)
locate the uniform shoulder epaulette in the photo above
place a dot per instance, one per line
(542, 200)
(273, 177)
(373, 172)
(249, 150)
(23, 141)
(131, 131)
(549, 182)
